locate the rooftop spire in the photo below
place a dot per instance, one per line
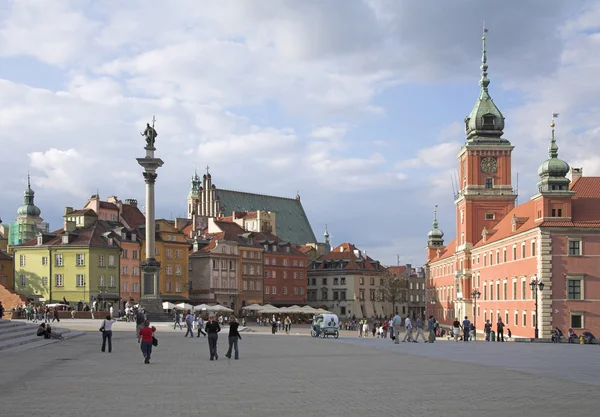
(484, 82)
(28, 180)
(435, 235)
(553, 149)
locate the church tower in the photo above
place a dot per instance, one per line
(28, 222)
(194, 195)
(485, 192)
(435, 238)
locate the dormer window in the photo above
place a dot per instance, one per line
(489, 120)
(65, 239)
(40, 240)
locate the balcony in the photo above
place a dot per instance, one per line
(224, 290)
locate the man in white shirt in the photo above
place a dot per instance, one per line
(408, 326)
(397, 320)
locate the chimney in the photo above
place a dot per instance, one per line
(112, 199)
(69, 226)
(131, 202)
(576, 173)
(68, 210)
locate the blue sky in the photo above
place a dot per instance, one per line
(357, 104)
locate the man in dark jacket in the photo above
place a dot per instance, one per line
(212, 329)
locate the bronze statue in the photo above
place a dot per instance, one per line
(150, 135)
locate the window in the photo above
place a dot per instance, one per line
(491, 260)
(58, 280)
(274, 290)
(301, 290)
(314, 281)
(577, 320)
(252, 286)
(498, 295)
(44, 281)
(285, 262)
(491, 291)
(342, 280)
(336, 295)
(111, 281)
(372, 295)
(101, 281)
(372, 281)
(178, 287)
(287, 249)
(23, 280)
(361, 281)
(523, 255)
(533, 248)
(169, 286)
(505, 291)
(295, 275)
(223, 264)
(523, 289)
(136, 287)
(111, 260)
(169, 253)
(22, 260)
(489, 120)
(156, 251)
(65, 239)
(324, 295)
(266, 261)
(178, 254)
(574, 288)
(169, 269)
(335, 281)
(58, 260)
(524, 319)
(215, 264)
(267, 274)
(44, 260)
(514, 289)
(484, 260)
(134, 254)
(516, 318)
(489, 183)
(125, 254)
(497, 257)
(267, 289)
(245, 285)
(251, 269)
(100, 260)
(232, 265)
(514, 253)
(125, 287)
(574, 247)
(274, 261)
(125, 270)
(177, 269)
(80, 280)
(504, 255)
(489, 216)
(324, 281)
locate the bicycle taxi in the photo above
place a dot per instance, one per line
(325, 325)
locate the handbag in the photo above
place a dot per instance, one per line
(154, 341)
(102, 327)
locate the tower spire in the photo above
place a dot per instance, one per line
(484, 82)
(553, 150)
(28, 181)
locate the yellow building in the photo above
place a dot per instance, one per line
(77, 264)
(172, 251)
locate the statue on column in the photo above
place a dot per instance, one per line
(150, 134)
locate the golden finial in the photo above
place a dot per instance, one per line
(485, 30)
(554, 116)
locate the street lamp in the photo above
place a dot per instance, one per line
(536, 285)
(475, 294)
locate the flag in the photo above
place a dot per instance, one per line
(554, 115)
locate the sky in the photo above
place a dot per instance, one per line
(357, 105)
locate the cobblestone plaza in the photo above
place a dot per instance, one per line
(297, 375)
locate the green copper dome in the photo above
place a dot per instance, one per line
(435, 237)
(28, 209)
(553, 166)
(485, 121)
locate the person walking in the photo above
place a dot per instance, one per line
(466, 325)
(106, 330)
(419, 326)
(177, 319)
(397, 326)
(234, 336)
(456, 329)
(200, 325)
(189, 324)
(488, 330)
(408, 326)
(55, 315)
(213, 329)
(500, 330)
(288, 324)
(431, 329)
(139, 322)
(145, 335)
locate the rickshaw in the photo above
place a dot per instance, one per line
(325, 325)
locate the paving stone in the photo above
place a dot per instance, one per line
(293, 375)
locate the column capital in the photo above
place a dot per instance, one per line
(150, 177)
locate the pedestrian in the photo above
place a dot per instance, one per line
(189, 324)
(488, 330)
(466, 325)
(360, 329)
(396, 328)
(273, 325)
(456, 329)
(146, 336)
(288, 324)
(365, 328)
(419, 326)
(106, 330)
(234, 336)
(408, 326)
(55, 315)
(213, 329)
(431, 328)
(177, 319)
(200, 325)
(139, 322)
(500, 330)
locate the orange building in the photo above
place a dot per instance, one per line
(516, 264)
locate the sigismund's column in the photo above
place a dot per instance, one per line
(150, 267)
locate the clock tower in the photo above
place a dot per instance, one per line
(485, 193)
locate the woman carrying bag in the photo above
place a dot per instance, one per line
(146, 335)
(106, 330)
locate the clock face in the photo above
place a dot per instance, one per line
(489, 165)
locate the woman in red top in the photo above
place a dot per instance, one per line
(146, 334)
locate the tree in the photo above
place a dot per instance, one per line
(393, 290)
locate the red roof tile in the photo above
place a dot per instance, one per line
(82, 236)
(87, 212)
(346, 252)
(109, 206)
(132, 216)
(4, 256)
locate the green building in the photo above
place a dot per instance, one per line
(79, 263)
